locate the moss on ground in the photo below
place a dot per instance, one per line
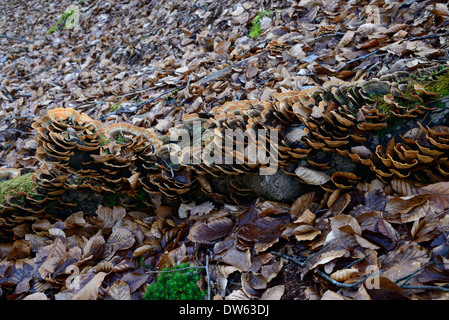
(440, 84)
(22, 183)
(433, 82)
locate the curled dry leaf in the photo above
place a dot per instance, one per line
(20, 249)
(121, 238)
(184, 208)
(36, 296)
(227, 252)
(142, 250)
(202, 209)
(273, 293)
(253, 284)
(343, 275)
(403, 187)
(307, 217)
(56, 254)
(308, 235)
(262, 233)
(209, 230)
(110, 215)
(402, 205)
(403, 261)
(221, 272)
(90, 290)
(104, 266)
(303, 203)
(311, 176)
(94, 244)
(238, 294)
(345, 223)
(328, 256)
(120, 291)
(270, 271)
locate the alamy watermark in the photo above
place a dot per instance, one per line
(373, 280)
(256, 148)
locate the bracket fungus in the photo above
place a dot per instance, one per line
(309, 132)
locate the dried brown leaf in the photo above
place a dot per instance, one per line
(405, 260)
(328, 256)
(344, 274)
(90, 290)
(273, 293)
(202, 209)
(303, 203)
(209, 230)
(120, 291)
(401, 205)
(311, 176)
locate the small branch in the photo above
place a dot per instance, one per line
(357, 59)
(36, 73)
(356, 261)
(228, 69)
(208, 277)
(303, 261)
(18, 131)
(429, 36)
(329, 35)
(413, 274)
(17, 117)
(417, 271)
(345, 285)
(324, 275)
(293, 259)
(426, 288)
(15, 38)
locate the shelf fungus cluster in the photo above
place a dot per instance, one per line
(301, 133)
(346, 120)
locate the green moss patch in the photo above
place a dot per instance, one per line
(440, 84)
(433, 81)
(178, 283)
(20, 184)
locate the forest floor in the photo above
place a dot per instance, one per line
(148, 63)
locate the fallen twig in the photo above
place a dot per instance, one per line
(302, 261)
(208, 277)
(426, 288)
(15, 38)
(429, 36)
(324, 275)
(17, 117)
(413, 274)
(417, 271)
(36, 73)
(18, 131)
(357, 59)
(344, 285)
(293, 259)
(227, 69)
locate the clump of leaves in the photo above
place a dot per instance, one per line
(255, 30)
(177, 283)
(22, 183)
